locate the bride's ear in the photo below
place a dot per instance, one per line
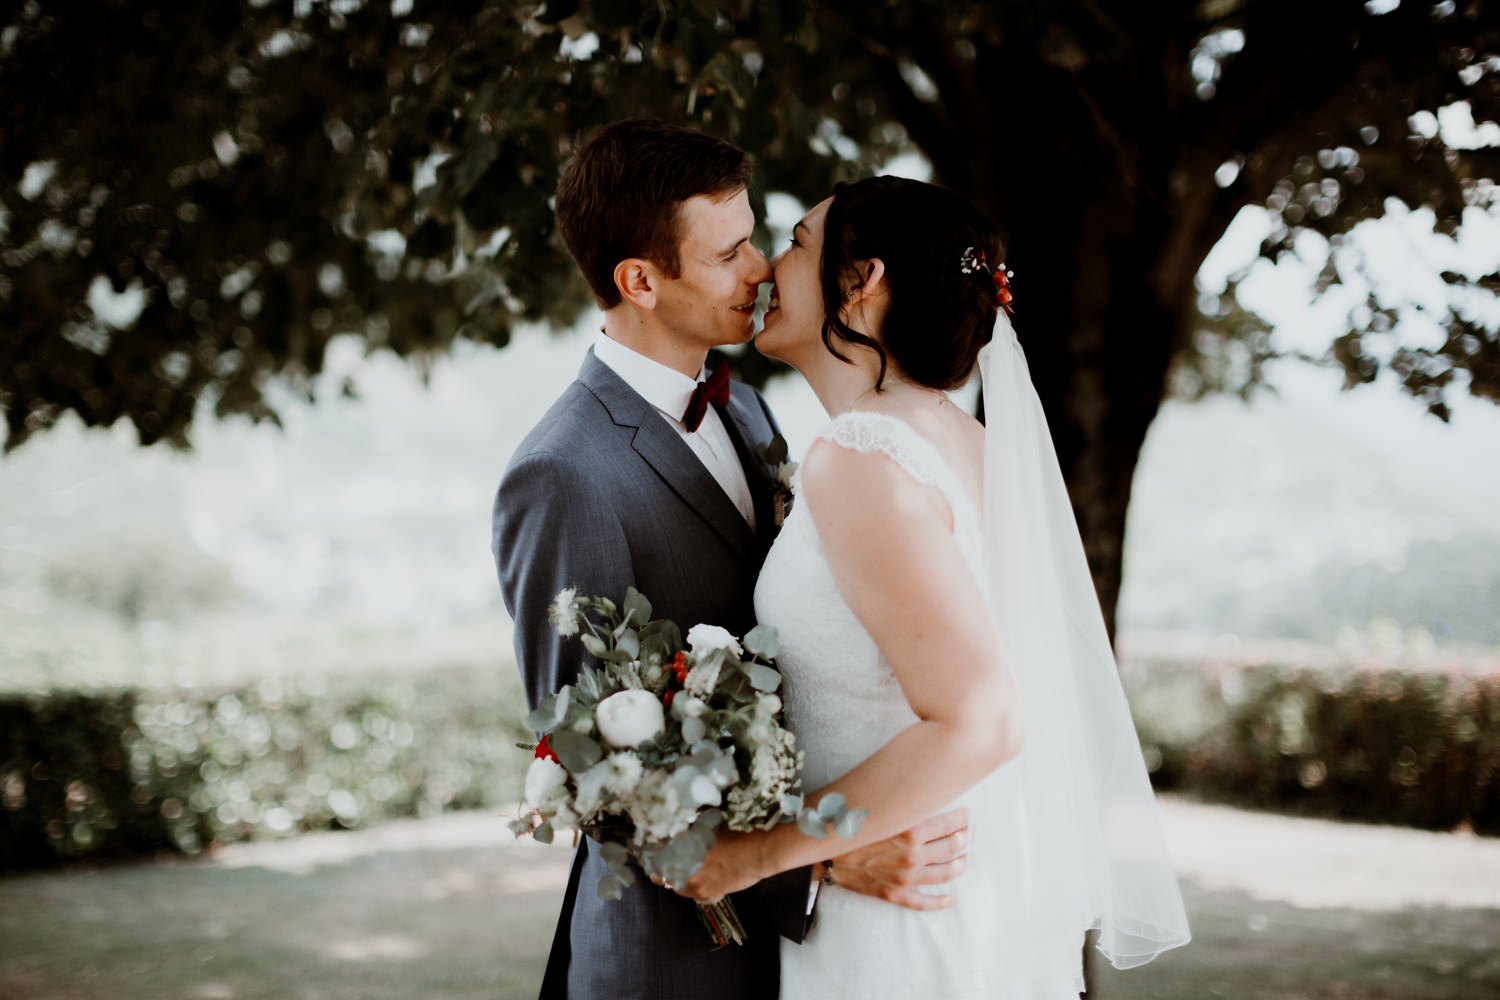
(635, 278)
(871, 286)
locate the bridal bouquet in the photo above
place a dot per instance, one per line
(663, 744)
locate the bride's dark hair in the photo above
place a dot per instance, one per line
(939, 316)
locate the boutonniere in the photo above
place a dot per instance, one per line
(779, 470)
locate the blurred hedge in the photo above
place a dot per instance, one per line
(1418, 748)
(112, 774)
(121, 773)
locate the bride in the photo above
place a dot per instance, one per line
(940, 639)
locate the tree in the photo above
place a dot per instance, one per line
(263, 176)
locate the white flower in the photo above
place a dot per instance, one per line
(629, 718)
(545, 778)
(692, 706)
(704, 639)
(784, 473)
(583, 725)
(562, 612)
(770, 704)
(702, 679)
(624, 772)
(658, 812)
(591, 788)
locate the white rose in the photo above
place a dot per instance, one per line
(704, 639)
(629, 718)
(543, 779)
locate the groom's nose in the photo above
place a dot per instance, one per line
(760, 268)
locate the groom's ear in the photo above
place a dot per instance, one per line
(635, 278)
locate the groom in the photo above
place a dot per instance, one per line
(636, 477)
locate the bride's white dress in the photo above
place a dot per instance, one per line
(844, 702)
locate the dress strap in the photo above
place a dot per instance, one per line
(864, 431)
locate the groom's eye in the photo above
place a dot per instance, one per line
(732, 255)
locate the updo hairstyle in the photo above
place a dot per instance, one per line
(939, 317)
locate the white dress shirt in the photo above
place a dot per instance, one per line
(668, 390)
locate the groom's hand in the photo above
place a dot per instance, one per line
(930, 853)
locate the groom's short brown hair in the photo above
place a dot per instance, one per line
(619, 196)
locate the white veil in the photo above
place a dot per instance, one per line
(1089, 846)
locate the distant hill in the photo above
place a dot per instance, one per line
(1308, 516)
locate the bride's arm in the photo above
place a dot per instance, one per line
(889, 543)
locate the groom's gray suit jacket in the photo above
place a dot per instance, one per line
(603, 494)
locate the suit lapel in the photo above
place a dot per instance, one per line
(660, 446)
(738, 421)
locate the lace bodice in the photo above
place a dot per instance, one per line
(842, 698)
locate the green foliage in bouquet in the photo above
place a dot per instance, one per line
(665, 743)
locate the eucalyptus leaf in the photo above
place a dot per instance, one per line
(849, 825)
(614, 853)
(810, 823)
(762, 677)
(680, 858)
(832, 807)
(735, 683)
(637, 608)
(762, 640)
(791, 803)
(723, 771)
(671, 635)
(706, 824)
(611, 887)
(704, 792)
(595, 645)
(693, 730)
(549, 712)
(630, 644)
(652, 644)
(543, 833)
(575, 751)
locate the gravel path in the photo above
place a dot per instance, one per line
(1283, 908)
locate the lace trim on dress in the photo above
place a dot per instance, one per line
(864, 431)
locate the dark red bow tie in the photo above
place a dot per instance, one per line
(714, 389)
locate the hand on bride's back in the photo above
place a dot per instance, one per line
(930, 853)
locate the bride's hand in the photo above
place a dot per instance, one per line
(732, 864)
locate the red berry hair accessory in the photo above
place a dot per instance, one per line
(1001, 276)
(973, 260)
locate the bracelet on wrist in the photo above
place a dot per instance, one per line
(827, 878)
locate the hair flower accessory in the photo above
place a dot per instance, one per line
(1001, 277)
(972, 261)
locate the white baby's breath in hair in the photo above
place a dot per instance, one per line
(562, 612)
